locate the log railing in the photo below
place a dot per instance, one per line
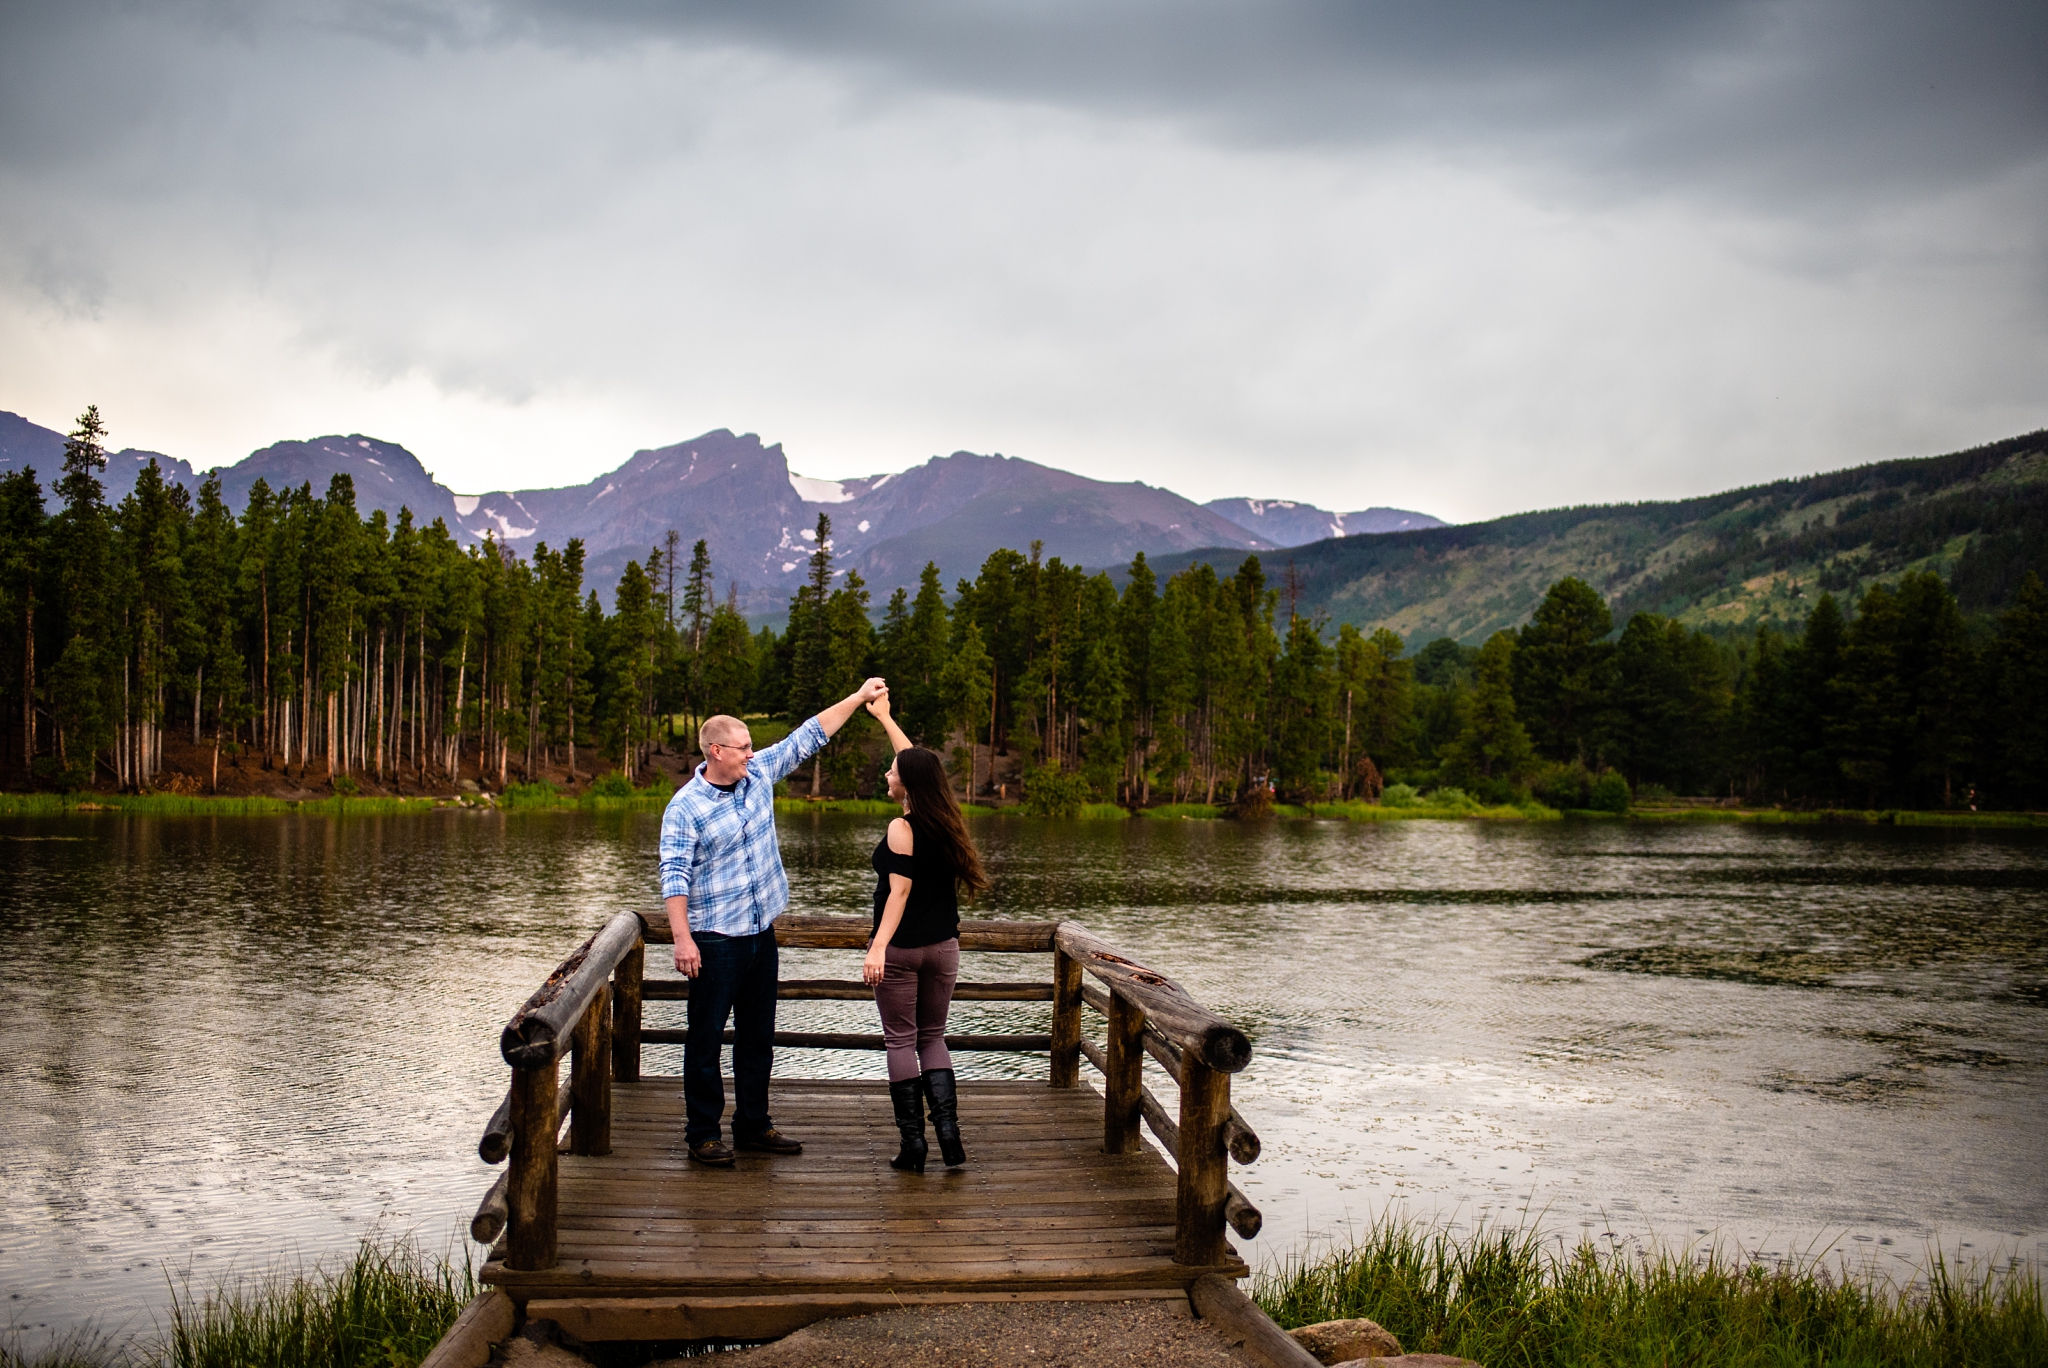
(590, 1009)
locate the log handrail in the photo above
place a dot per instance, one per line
(853, 990)
(1244, 1218)
(1238, 1136)
(1184, 1021)
(497, 1141)
(539, 1031)
(590, 1008)
(852, 933)
(855, 1040)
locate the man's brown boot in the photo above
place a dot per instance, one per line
(771, 1141)
(712, 1152)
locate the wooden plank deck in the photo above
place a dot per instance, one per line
(1039, 1211)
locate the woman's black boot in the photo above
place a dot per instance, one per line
(938, 1086)
(909, 1100)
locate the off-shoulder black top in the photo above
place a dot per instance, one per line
(933, 912)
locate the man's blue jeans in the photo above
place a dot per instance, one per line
(738, 980)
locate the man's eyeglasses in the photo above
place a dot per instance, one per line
(747, 749)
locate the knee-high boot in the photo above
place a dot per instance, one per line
(938, 1086)
(908, 1098)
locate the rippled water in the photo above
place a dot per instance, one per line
(240, 1038)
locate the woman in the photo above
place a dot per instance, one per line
(920, 865)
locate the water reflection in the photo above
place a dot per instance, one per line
(245, 1036)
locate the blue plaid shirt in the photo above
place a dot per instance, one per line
(719, 850)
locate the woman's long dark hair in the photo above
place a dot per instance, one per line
(935, 817)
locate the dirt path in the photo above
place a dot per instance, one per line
(1014, 1335)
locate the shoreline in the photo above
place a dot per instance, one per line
(524, 798)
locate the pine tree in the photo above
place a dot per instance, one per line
(922, 659)
(1137, 619)
(1564, 672)
(1492, 745)
(2017, 735)
(850, 651)
(23, 532)
(698, 608)
(964, 691)
(809, 637)
(83, 699)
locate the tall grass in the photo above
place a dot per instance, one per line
(1201, 812)
(864, 807)
(385, 1306)
(183, 805)
(1509, 1298)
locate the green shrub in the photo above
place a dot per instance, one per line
(1049, 793)
(540, 793)
(1399, 796)
(1609, 793)
(50, 773)
(613, 785)
(1449, 797)
(1563, 786)
(343, 786)
(1102, 812)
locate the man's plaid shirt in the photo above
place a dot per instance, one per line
(719, 850)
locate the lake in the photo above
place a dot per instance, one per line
(235, 1040)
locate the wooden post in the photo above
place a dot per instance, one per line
(530, 1181)
(1204, 1182)
(1066, 1020)
(626, 1014)
(1124, 1081)
(590, 1080)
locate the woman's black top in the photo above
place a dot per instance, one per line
(933, 912)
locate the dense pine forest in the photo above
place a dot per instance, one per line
(301, 640)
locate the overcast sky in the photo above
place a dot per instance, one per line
(1467, 257)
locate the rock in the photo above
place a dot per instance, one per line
(1343, 1341)
(519, 1352)
(469, 786)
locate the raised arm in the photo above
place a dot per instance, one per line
(878, 708)
(834, 717)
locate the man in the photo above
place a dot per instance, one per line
(724, 885)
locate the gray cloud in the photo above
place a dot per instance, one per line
(1771, 96)
(1463, 257)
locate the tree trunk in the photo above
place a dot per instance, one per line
(269, 733)
(378, 758)
(28, 679)
(461, 682)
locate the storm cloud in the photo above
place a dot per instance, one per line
(1461, 257)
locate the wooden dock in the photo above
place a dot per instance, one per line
(605, 1226)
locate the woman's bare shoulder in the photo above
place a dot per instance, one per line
(900, 839)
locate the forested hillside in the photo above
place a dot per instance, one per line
(1727, 563)
(147, 643)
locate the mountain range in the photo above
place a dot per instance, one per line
(1725, 563)
(757, 515)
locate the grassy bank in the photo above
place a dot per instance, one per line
(1840, 817)
(383, 1307)
(1514, 1299)
(517, 796)
(621, 797)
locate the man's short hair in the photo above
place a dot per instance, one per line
(723, 730)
